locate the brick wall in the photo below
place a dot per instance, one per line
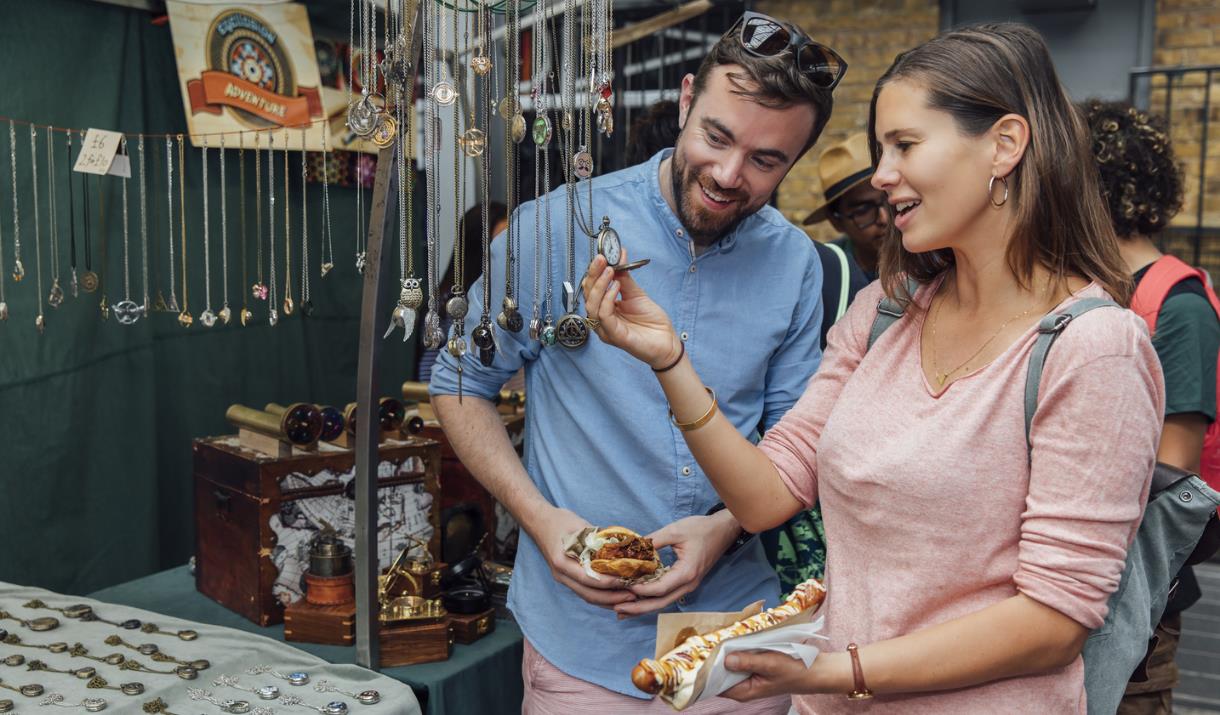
(1188, 33)
(867, 33)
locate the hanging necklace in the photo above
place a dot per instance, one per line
(473, 141)
(56, 296)
(306, 303)
(207, 317)
(457, 306)
(328, 248)
(88, 280)
(245, 313)
(159, 305)
(18, 268)
(942, 377)
(289, 306)
(3, 302)
(143, 230)
(226, 314)
(102, 304)
(482, 336)
(40, 321)
(273, 316)
(169, 202)
(510, 316)
(184, 317)
(363, 115)
(571, 332)
(387, 126)
(126, 311)
(259, 290)
(410, 295)
(542, 138)
(74, 283)
(433, 334)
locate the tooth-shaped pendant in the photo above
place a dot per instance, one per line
(246, 317)
(225, 315)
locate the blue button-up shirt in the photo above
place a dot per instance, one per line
(598, 438)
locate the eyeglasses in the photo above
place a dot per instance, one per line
(863, 215)
(764, 36)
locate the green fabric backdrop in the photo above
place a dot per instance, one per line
(97, 418)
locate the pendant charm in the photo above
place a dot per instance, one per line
(516, 128)
(3, 311)
(398, 319)
(542, 131)
(259, 291)
(41, 323)
(433, 335)
(273, 318)
(326, 268)
(457, 307)
(548, 334)
(89, 281)
(509, 108)
(18, 271)
(225, 315)
(126, 312)
(362, 115)
(473, 142)
(360, 261)
(185, 319)
(104, 307)
(207, 318)
(412, 294)
(173, 304)
(572, 331)
(457, 346)
(609, 246)
(56, 297)
(485, 341)
(481, 65)
(387, 128)
(246, 316)
(307, 309)
(605, 123)
(510, 318)
(159, 305)
(289, 306)
(444, 93)
(74, 284)
(582, 164)
(535, 329)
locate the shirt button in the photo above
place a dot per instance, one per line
(679, 232)
(684, 336)
(686, 471)
(692, 268)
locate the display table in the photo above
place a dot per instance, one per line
(484, 677)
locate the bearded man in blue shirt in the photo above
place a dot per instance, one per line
(743, 286)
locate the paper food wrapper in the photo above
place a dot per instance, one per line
(574, 546)
(712, 678)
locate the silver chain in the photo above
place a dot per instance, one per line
(126, 256)
(37, 230)
(207, 251)
(271, 294)
(329, 246)
(169, 196)
(52, 222)
(224, 229)
(304, 224)
(143, 226)
(12, 161)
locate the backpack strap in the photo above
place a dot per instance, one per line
(888, 313)
(1164, 273)
(845, 282)
(1049, 328)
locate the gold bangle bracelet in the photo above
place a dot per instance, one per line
(707, 417)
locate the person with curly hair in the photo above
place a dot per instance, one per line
(1142, 186)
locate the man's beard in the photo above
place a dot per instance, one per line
(704, 227)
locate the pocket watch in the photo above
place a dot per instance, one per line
(608, 243)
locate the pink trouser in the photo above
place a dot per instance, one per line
(550, 691)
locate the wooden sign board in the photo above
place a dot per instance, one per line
(244, 68)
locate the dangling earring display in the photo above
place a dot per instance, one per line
(991, 192)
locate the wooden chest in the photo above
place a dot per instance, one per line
(255, 515)
(459, 487)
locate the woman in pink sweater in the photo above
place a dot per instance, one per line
(964, 572)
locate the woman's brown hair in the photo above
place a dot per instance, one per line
(978, 74)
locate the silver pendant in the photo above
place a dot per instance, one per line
(608, 243)
(444, 93)
(273, 318)
(225, 315)
(473, 142)
(3, 310)
(74, 284)
(457, 346)
(126, 312)
(582, 164)
(56, 297)
(535, 329)
(208, 318)
(548, 334)
(572, 331)
(510, 320)
(362, 116)
(326, 268)
(402, 317)
(433, 335)
(457, 307)
(542, 130)
(18, 271)
(173, 304)
(360, 261)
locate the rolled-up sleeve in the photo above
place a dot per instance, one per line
(1094, 439)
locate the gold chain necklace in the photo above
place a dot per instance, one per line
(942, 377)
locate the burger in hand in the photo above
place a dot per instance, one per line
(621, 552)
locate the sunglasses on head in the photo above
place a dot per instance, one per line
(764, 36)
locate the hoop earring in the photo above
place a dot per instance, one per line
(991, 194)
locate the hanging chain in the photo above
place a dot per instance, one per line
(126, 251)
(40, 321)
(224, 236)
(169, 196)
(143, 228)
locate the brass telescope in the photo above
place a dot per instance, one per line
(299, 423)
(332, 419)
(413, 391)
(390, 415)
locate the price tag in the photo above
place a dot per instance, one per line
(98, 152)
